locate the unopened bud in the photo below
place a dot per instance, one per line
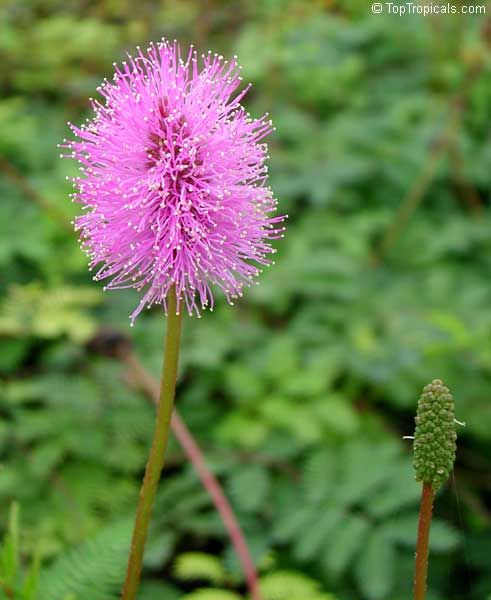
(435, 435)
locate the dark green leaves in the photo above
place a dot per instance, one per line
(356, 512)
(301, 393)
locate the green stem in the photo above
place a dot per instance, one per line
(421, 563)
(156, 457)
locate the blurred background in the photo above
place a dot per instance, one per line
(301, 393)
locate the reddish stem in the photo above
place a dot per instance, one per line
(422, 546)
(211, 484)
(150, 387)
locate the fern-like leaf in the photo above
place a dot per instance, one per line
(94, 571)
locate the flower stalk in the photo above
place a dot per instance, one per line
(112, 343)
(422, 545)
(155, 462)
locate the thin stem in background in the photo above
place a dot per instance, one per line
(422, 546)
(142, 380)
(155, 462)
(444, 143)
(412, 200)
(210, 483)
(418, 190)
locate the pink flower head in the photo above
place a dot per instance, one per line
(174, 180)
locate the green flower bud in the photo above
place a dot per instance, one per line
(435, 435)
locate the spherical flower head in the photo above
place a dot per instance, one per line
(435, 435)
(173, 184)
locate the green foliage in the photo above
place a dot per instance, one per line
(336, 520)
(199, 566)
(301, 394)
(95, 570)
(33, 311)
(16, 582)
(151, 590)
(275, 585)
(212, 594)
(86, 440)
(282, 585)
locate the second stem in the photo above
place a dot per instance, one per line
(422, 546)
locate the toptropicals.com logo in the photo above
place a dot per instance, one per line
(412, 8)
